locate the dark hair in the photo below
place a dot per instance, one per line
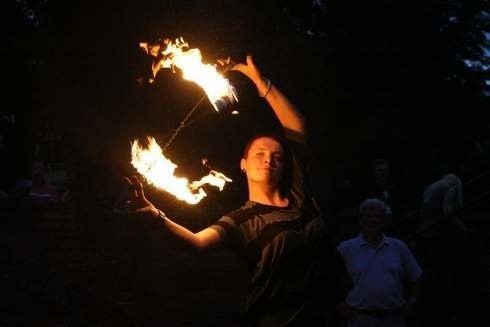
(285, 183)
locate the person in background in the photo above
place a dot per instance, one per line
(440, 202)
(380, 185)
(384, 273)
(442, 243)
(42, 193)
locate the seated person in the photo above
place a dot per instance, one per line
(42, 193)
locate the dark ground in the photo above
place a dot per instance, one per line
(81, 265)
(84, 268)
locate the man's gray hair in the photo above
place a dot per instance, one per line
(372, 203)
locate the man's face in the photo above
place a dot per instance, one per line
(372, 219)
(264, 161)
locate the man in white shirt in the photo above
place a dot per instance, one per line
(379, 267)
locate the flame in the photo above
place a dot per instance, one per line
(159, 171)
(177, 54)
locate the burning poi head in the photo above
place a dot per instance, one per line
(150, 161)
(159, 171)
(170, 54)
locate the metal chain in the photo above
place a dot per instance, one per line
(183, 123)
(229, 65)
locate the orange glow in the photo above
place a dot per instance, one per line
(177, 54)
(159, 171)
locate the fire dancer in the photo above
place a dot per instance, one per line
(279, 230)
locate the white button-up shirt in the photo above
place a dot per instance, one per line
(378, 272)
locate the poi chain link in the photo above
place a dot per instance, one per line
(183, 123)
(228, 65)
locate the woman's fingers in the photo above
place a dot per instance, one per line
(139, 188)
(131, 187)
(135, 187)
(239, 67)
(250, 61)
(224, 61)
(142, 210)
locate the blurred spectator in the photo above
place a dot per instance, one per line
(60, 178)
(442, 244)
(46, 141)
(383, 271)
(49, 149)
(440, 201)
(380, 185)
(42, 192)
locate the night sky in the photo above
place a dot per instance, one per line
(371, 80)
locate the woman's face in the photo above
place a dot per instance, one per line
(264, 161)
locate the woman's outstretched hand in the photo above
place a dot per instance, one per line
(139, 203)
(249, 69)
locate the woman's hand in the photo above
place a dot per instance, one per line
(250, 70)
(140, 204)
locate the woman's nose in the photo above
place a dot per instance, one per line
(268, 160)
